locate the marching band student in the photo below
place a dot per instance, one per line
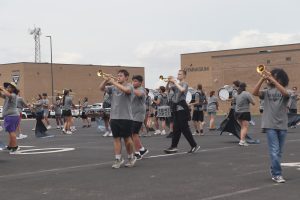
(46, 110)
(58, 113)
(67, 112)
(162, 101)
(181, 114)
(292, 105)
(243, 100)
(138, 114)
(121, 93)
(212, 107)
(84, 117)
(148, 112)
(20, 105)
(274, 118)
(106, 117)
(171, 99)
(11, 114)
(198, 115)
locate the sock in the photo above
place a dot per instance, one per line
(142, 149)
(130, 156)
(118, 157)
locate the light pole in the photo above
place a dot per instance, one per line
(52, 90)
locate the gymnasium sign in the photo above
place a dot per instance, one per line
(196, 69)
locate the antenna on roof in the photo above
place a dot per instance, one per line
(36, 32)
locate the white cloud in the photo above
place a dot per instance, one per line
(69, 57)
(163, 57)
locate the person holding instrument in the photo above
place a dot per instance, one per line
(274, 117)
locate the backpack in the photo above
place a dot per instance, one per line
(193, 100)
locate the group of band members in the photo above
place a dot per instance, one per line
(130, 108)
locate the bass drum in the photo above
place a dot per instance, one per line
(223, 94)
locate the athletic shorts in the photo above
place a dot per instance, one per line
(121, 128)
(83, 115)
(11, 123)
(66, 113)
(246, 116)
(46, 113)
(197, 116)
(136, 127)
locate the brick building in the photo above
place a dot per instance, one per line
(218, 68)
(35, 78)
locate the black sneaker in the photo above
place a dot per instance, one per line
(143, 153)
(138, 156)
(171, 150)
(194, 149)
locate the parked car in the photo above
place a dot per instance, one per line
(27, 113)
(76, 111)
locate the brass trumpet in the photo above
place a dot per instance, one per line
(100, 73)
(161, 77)
(260, 69)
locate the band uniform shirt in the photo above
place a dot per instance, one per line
(233, 101)
(85, 106)
(57, 107)
(243, 101)
(121, 106)
(178, 95)
(275, 109)
(45, 104)
(139, 106)
(39, 105)
(163, 99)
(293, 101)
(20, 104)
(199, 97)
(212, 104)
(10, 106)
(148, 102)
(68, 103)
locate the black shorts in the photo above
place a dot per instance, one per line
(83, 115)
(243, 116)
(66, 113)
(198, 116)
(136, 127)
(121, 128)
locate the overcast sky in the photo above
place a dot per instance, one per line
(147, 33)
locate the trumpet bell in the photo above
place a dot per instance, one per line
(260, 68)
(100, 73)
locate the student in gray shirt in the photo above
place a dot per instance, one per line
(274, 118)
(58, 113)
(46, 110)
(20, 105)
(181, 113)
(67, 103)
(121, 115)
(242, 111)
(212, 107)
(138, 114)
(85, 119)
(11, 114)
(292, 105)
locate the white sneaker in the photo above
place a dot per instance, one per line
(106, 134)
(243, 143)
(1, 128)
(110, 134)
(33, 129)
(163, 132)
(21, 136)
(157, 132)
(68, 132)
(49, 127)
(58, 127)
(73, 128)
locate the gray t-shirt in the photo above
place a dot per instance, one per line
(233, 101)
(163, 99)
(243, 101)
(57, 107)
(139, 106)
(85, 106)
(45, 104)
(10, 106)
(121, 106)
(20, 104)
(148, 103)
(38, 105)
(179, 96)
(293, 101)
(275, 109)
(212, 104)
(68, 103)
(199, 97)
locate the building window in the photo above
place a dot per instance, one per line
(288, 58)
(268, 61)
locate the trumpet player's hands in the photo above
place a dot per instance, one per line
(171, 79)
